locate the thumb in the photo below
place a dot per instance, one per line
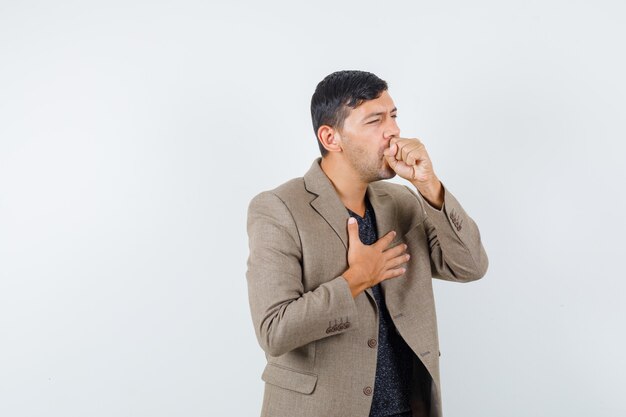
(392, 149)
(353, 231)
(392, 161)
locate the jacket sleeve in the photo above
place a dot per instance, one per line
(456, 250)
(284, 316)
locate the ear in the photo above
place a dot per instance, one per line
(329, 138)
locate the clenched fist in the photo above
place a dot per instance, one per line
(409, 159)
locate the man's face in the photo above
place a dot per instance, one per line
(366, 134)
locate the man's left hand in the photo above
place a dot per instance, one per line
(409, 159)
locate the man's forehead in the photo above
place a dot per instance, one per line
(374, 110)
(382, 104)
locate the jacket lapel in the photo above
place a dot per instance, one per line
(384, 209)
(386, 220)
(327, 202)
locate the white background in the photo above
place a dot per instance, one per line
(133, 135)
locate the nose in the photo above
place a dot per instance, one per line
(391, 129)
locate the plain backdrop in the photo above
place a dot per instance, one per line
(133, 134)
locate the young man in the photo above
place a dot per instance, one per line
(341, 264)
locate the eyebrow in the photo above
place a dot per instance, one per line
(379, 113)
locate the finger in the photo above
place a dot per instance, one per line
(414, 155)
(409, 148)
(391, 150)
(353, 231)
(392, 161)
(397, 261)
(395, 251)
(406, 145)
(399, 142)
(414, 141)
(398, 153)
(384, 241)
(404, 148)
(392, 273)
(398, 139)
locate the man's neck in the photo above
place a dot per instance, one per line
(350, 188)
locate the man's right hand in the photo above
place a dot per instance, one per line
(370, 264)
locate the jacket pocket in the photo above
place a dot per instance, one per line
(291, 379)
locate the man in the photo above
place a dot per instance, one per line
(341, 265)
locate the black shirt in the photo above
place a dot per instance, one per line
(394, 363)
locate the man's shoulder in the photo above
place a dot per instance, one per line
(287, 189)
(286, 193)
(290, 188)
(295, 189)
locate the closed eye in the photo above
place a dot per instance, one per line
(378, 120)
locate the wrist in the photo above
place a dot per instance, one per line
(432, 191)
(356, 284)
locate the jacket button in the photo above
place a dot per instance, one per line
(371, 343)
(367, 390)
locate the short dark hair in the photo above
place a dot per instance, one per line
(338, 91)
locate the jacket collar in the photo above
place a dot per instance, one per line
(330, 207)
